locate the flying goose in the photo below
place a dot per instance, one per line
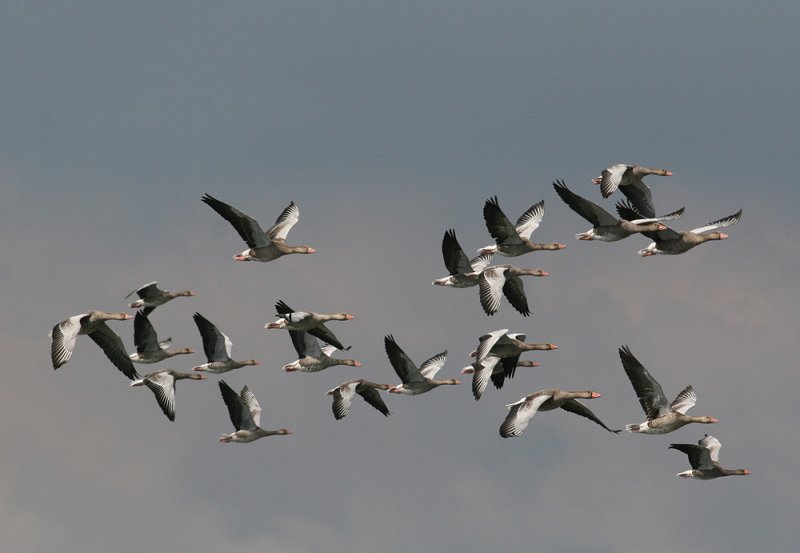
(499, 280)
(513, 240)
(344, 393)
(264, 245)
(313, 358)
(93, 324)
(606, 227)
(415, 380)
(662, 417)
(521, 412)
(491, 368)
(162, 384)
(313, 323)
(628, 178)
(671, 242)
(464, 272)
(151, 296)
(217, 348)
(245, 413)
(704, 459)
(148, 348)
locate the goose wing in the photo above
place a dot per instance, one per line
(514, 291)
(648, 390)
(237, 409)
(162, 384)
(324, 333)
(490, 288)
(286, 220)
(583, 207)
(343, 396)
(252, 405)
(144, 335)
(373, 397)
(530, 220)
(430, 367)
(247, 227)
(63, 338)
(487, 342)
(498, 224)
(405, 368)
(455, 260)
(575, 406)
(521, 413)
(483, 373)
(216, 345)
(684, 401)
(699, 456)
(712, 445)
(305, 345)
(719, 223)
(639, 194)
(611, 178)
(111, 344)
(147, 291)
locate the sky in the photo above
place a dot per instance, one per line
(389, 124)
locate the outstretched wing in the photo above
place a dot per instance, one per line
(247, 227)
(111, 344)
(455, 260)
(498, 224)
(530, 220)
(405, 368)
(575, 406)
(286, 220)
(520, 414)
(720, 223)
(648, 390)
(583, 207)
(162, 384)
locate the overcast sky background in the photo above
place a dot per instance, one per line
(387, 125)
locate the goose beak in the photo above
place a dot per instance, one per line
(722, 236)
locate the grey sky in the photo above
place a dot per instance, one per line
(388, 125)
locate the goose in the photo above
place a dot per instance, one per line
(148, 348)
(245, 413)
(507, 347)
(499, 280)
(217, 348)
(313, 323)
(671, 242)
(162, 384)
(662, 417)
(151, 296)
(491, 367)
(345, 392)
(704, 459)
(628, 178)
(415, 380)
(521, 412)
(464, 272)
(263, 245)
(513, 240)
(608, 228)
(313, 358)
(93, 324)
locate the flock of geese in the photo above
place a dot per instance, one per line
(495, 359)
